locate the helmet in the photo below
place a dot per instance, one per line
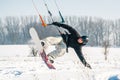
(85, 39)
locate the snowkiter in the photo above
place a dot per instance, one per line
(74, 40)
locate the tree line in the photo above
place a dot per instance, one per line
(15, 30)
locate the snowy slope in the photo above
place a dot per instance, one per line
(15, 65)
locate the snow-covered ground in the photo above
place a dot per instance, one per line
(16, 65)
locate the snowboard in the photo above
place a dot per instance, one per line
(41, 51)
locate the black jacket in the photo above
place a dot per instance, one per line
(72, 40)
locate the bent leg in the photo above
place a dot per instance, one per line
(60, 51)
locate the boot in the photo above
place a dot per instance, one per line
(50, 59)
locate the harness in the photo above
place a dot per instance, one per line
(65, 38)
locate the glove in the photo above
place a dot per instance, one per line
(88, 65)
(42, 43)
(56, 24)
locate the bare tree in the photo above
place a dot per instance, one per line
(106, 45)
(2, 33)
(12, 27)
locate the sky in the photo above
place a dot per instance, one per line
(107, 9)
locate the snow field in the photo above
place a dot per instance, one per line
(68, 67)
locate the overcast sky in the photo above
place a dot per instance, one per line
(107, 9)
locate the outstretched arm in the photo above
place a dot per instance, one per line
(69, 28)
(81, 57)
